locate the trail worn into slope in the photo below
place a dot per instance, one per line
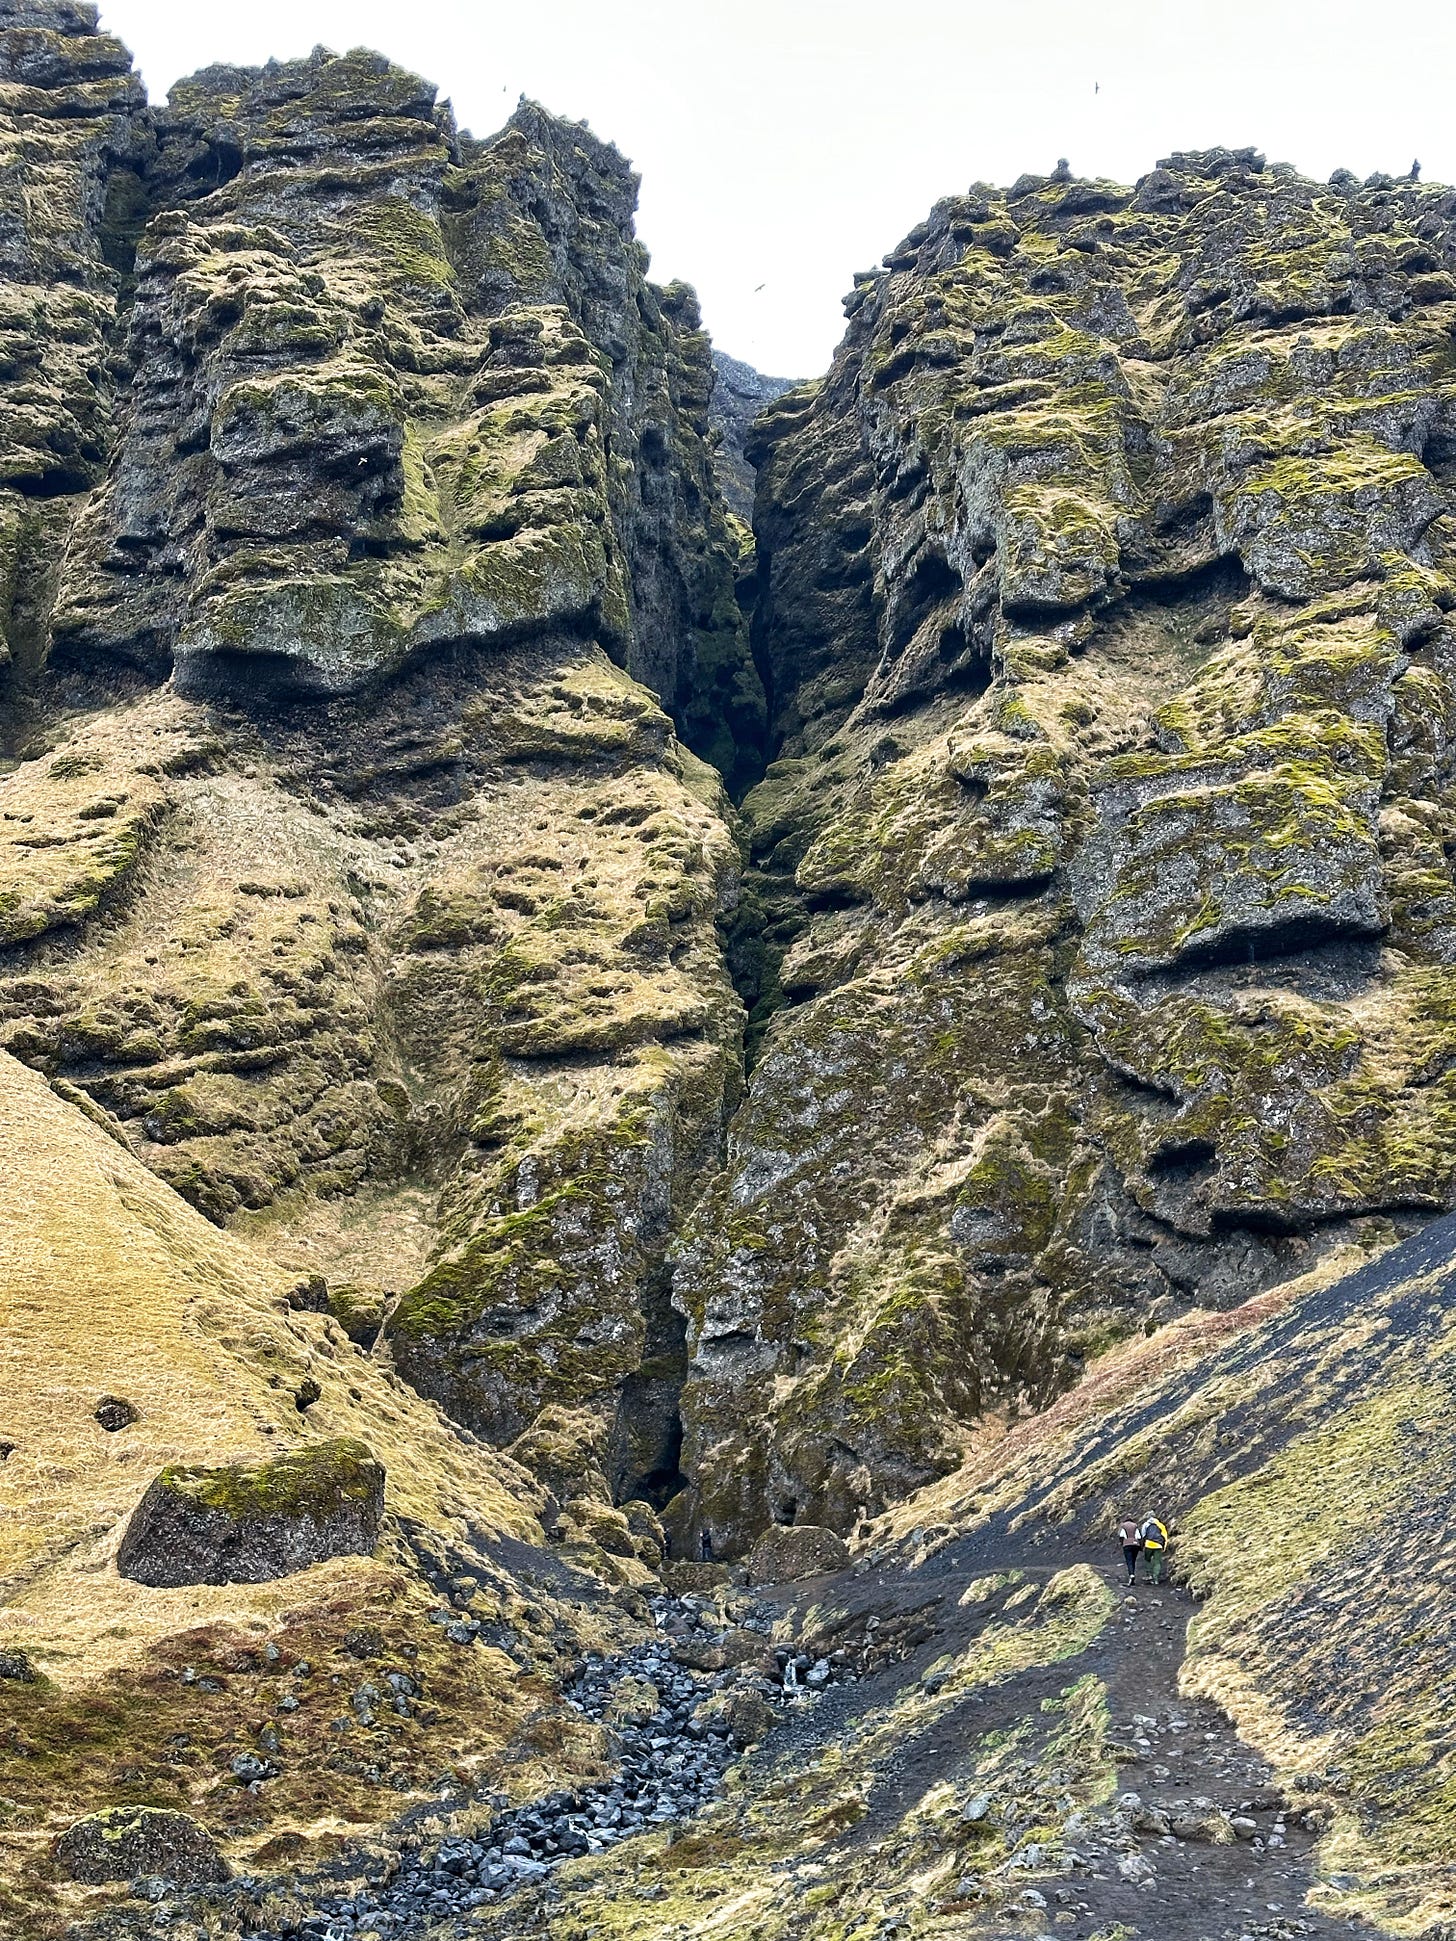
(1183, 1775)
(1012, 1695)
(1169, 1828)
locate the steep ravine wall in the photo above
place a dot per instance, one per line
(377, 688)
(1098, 935)
(362, 527)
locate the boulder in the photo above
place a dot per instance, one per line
(791, 1550)
(245, 1523)
(124, 1841)
(747, 1715)
(633, 1701)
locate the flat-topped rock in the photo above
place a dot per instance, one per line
(124, 1841)
(244, 1523)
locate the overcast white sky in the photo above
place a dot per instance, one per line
(787, 143)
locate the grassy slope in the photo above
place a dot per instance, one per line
(112, 1284)
(1302, 1447)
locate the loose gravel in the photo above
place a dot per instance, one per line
(673, 1757)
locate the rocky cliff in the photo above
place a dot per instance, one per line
(740, 395)
(1101, 896)
(544, 1037)
(367, 592)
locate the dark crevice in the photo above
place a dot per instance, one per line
(1439, 457)
(1246, 945)
(644, 1460)
(933, 582)
(1186, 1160)
(1161, 585)
(1021, 889)
(215, 165)
(60, 482)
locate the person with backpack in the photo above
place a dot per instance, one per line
(1155, 1542)
(1130, 1536)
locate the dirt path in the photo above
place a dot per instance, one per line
(1181, 1754)
(1147, 1866)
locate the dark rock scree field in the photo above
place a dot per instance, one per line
(663, 1035)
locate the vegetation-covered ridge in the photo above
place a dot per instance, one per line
(544, 1034)
(1098, 930)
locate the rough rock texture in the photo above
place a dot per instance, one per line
(357, 895)
(1100, 929)
(388, 922)
(740, 393)
(248, 1523)
(394, 390)
(397, 1056)
(791, 1550)
(126, 1841)
(73, 135)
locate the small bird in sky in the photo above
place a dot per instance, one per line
(759, 286)
(1097, 87)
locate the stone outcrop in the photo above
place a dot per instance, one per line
(790, 1550)
(127, 1841)
(74, 137)
(248, 1523)
(1101, 905)
(351, 863)
(393, 389)
(740, 393)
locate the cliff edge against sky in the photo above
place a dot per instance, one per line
(553, 1045)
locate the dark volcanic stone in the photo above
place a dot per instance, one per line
(124, 1841)
(788, 1551)
(739, 394)
(249, 1522)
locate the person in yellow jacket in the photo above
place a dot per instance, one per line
(1130, 1536)
(1155, 1542)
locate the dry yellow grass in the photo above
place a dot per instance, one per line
(113, 1285)
(109, 1284)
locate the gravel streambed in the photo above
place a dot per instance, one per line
(681, 1710)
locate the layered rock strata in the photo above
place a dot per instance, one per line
(386, 924)
(1100, 925)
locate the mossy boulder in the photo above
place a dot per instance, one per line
(787, 1551)
(245, 1523)
(125, 1841)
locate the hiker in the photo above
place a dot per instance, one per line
(1155, 1541)
(1130, 1536)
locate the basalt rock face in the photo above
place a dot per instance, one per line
(365, 590)
(1101, 904)
(355, 869)
(246, 1525)
(72, 136)
(740, 394)
(393, 390)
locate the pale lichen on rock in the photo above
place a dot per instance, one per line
(668, 1041)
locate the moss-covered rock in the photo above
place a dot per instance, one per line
(245, 1524)
(379, 370)
(1096, 936)
(789, 1551)
(126, 1841)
